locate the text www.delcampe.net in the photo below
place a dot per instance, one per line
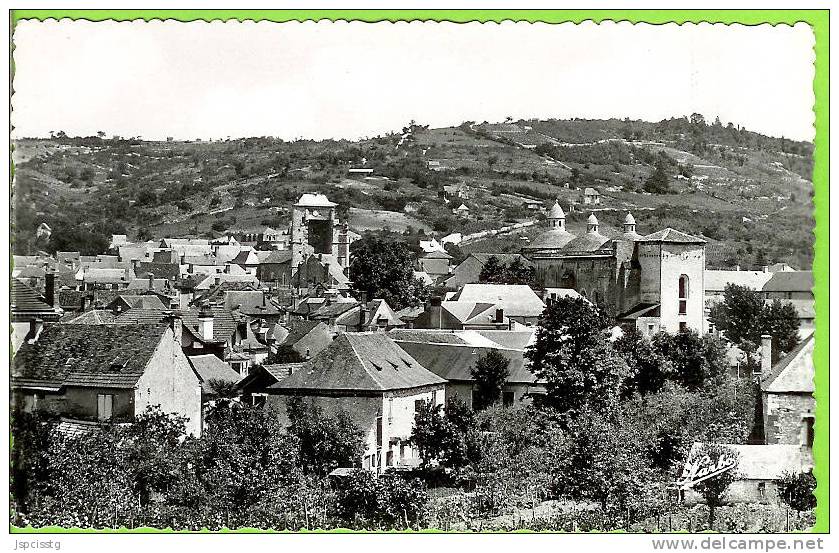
(722, 543)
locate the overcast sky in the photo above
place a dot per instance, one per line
(325, 80)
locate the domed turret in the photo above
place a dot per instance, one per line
(629, 224)
(593, 224)
(556, 217)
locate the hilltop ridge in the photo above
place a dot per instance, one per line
(749, 194)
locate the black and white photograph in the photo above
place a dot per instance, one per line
(412, 276)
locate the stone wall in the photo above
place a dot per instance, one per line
(784, 417)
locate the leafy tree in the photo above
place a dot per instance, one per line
(713, 489)
(326, 441)
(659, 181)
(521, 450)
(694, 359)
(572, 355)
(437, 438)
(649, 368)
(490, 373)
(796, 490)
(744, 317)
(519, 273)
(780, 320)
(32, 435)
(242, 458)
(604, 464)
(454, 250)
(492, 271)
(383, 268)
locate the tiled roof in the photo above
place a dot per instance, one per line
(335, 309)
(148, 301)
(106, 276)
(160, 285)
(71, 299)
(360, 362)
(410, 313)
(470, 312)
(435, 254)
(30, 272)
(517, 300)
(509, 339)
(164, 257)
(790, 281)
(87, 355)
(299, 330)
(794, 373)
(455, 362)
(376, 309)
(142, 316)
(92, 317)
(806, 309)
(210, 280)
(282, 370)
(168, 271)
(427, 336)
(209, 367)
(715, 281)
(250, 302)
(278, 257)
(672, 236)
(24, 298)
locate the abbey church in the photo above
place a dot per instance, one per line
(653, 282)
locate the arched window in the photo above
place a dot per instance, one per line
(684, 290)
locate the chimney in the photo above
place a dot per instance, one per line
(151, 281)
(766, 268)
(49, 288)
(227, 268)
(205, 323)
(435, 312)
(737, 267)
(499, 315)
(362, 314)
(765, 353)
(135, 264)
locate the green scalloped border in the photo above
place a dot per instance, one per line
(818, 21)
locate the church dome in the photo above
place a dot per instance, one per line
(553, 239)
(588, 242)
(592, 220)
(630, 220)
(556, 212)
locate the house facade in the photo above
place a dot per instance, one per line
(107, 373)
(377, 384)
